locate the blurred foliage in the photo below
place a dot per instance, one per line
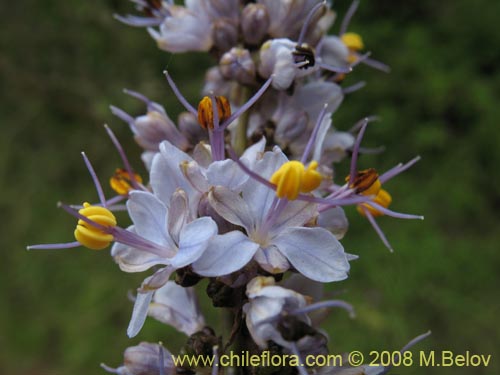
(63, 63)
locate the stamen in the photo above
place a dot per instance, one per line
(121, 181)
(366, 182)
(325, 304)
(212, 112)
(307, 21)
(54, 246)
(382, 200)
(123, 156)
(179, 96)
(110, 369)
(314, 134)
(355, 150)
(348, 16)
(292, 178)
(378, 230)
(138, 21)
(377, 65)
(335, 69)
(398, 169)
(247, 105)
(353, 88)
(97, 184)
(353, 41)
(91, 236)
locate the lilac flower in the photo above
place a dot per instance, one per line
(275, 232)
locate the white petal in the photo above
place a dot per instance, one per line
(253, 153)
(195, 175)
(226, 173)
(258, 196)
(335, 221)
(314, 252)
(225, 254)
(271, 260)
(139, 313)
(295, 214)
(149, 215)
(178, 214)
(194, 239)
(178, 307)
(131, 259)
(231, 207)
(166, 175)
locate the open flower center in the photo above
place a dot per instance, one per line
(121, 181)
(293, 178)
(90, 236)
(206, 112)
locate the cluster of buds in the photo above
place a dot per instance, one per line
(241, 191)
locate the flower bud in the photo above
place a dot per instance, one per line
(237, 64)
(225, 34)
(144, 360)
(254, 23)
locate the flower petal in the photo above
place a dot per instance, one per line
(258, 195)
(226, 173)
(314, 252)
(178, 214)
(139, 313)
(225, 254)
(149, 215)
(231, 207)
(178, 307)
(194, 239)
(166, 174)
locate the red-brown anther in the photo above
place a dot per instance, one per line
(366, 182)
(206, 113)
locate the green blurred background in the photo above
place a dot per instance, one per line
(62, 63)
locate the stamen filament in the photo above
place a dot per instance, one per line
(353, 88)
(378, 230)
(124, 158)
(348, 16)
(325, 304)
(314, 134)
(388, 212)
(355, 150)
(97, 184)
(54, 246)
(335, 69)
(247, 105)
(179, 96)
(307, 22)
(398, 169)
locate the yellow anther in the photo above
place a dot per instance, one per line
(383, 198)
(293, 178)
(353, 41)
(366, 182)
(206, 113)
(90, 236)
(121, 181)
